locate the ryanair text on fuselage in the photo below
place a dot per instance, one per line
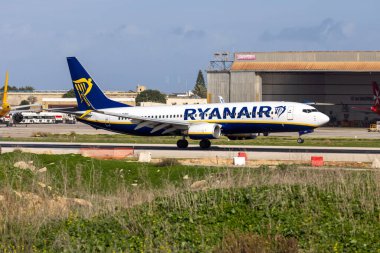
(233, 112)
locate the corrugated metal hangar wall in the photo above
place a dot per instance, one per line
(342, 78)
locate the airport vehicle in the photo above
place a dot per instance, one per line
(199, 122)
(15, 111)
(42, 118)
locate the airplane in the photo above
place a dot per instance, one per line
(197, 122)
(14, 110)
(376, 96)
(376, 105)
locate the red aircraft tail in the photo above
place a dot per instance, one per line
(376, 94)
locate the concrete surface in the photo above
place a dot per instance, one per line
(80, 128)
(224, 151)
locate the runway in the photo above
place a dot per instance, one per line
(222, 151)
(22, 131)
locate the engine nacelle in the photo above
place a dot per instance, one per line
(234, 137)
(204, 131)
(17, 117)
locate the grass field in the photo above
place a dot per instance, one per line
(260, 141)
(84, 205)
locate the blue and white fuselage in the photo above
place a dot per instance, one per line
(234, 118)
(203, 122)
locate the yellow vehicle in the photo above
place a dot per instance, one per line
(373, 128)
(7, 109)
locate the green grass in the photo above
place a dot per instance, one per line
(197, 222)
(260, 141)
(73, 173)
(278, 209)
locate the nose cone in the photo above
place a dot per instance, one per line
(323, 119)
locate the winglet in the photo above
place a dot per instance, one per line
(5, 107)
(5, 94)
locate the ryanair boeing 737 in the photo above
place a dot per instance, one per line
(199, 122)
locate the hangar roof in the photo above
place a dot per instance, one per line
(351, 66)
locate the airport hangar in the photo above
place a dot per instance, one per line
(340, 77)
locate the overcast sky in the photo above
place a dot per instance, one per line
(163, 43)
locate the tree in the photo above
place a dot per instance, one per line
(200, 87)
(32, 99)
(24, 102)
(10, 88)
(27, 88)
(22, 88)
(151, 96)
(69, 94)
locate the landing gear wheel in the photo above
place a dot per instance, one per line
(182, 143)
(300, 140)
(205, 143)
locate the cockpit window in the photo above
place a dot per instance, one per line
(309, 110)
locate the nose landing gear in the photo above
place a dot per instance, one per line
(300, 140)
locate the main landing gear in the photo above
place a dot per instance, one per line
(183, 143)
(205, 143)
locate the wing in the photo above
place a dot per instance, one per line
(317, 103)
(21, 107)
(68, 110)
(169, 125)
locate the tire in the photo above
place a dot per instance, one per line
(300, 140)
(182, 143)
(205, 144)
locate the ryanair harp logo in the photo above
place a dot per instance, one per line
(83, 87)
(279, 110)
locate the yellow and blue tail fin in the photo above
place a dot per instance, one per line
(89, 95)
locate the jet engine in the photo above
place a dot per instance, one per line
(204, 131)
(234, 137)
(17, 117)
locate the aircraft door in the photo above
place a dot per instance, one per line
(290, 112)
